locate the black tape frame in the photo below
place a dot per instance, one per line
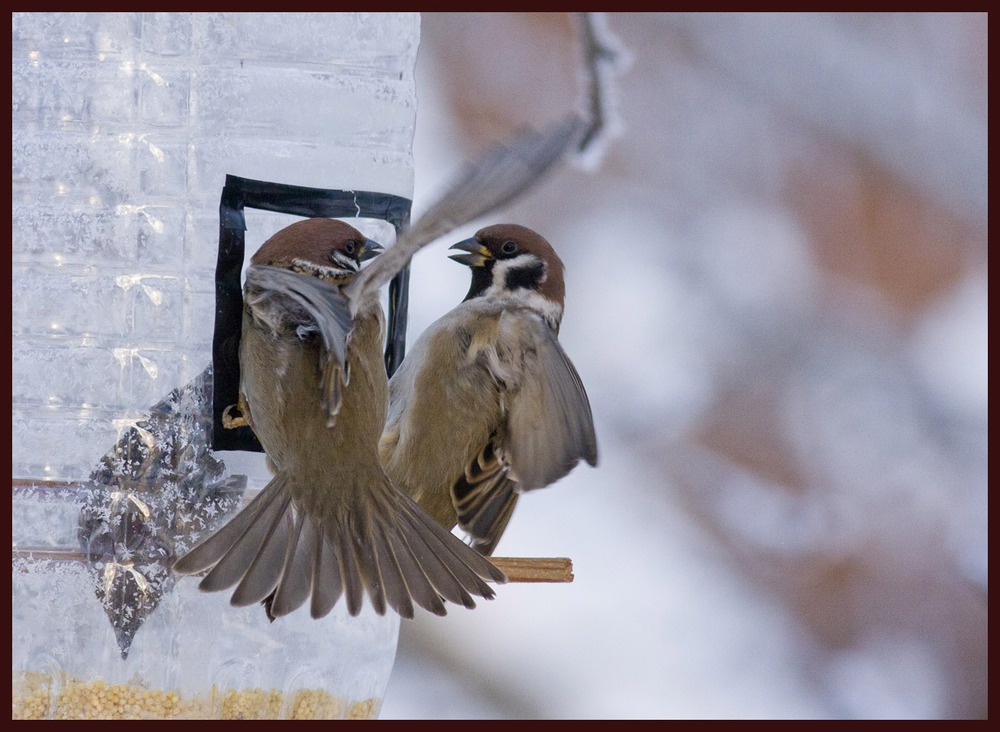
(240, 193)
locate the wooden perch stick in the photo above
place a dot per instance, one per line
(517, 569)
(535, 569)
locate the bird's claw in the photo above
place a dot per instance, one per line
(231, 423)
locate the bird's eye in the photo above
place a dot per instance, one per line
(508, 247)
(349, 247)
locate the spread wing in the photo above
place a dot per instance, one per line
(550, 427)
(503, 172)
(287, 300)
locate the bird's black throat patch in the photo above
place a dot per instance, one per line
(482, 278)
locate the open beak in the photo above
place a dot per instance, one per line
(477, 255)
(370, 249)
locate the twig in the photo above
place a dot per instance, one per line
(604, 57)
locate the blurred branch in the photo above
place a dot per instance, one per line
(603, 58)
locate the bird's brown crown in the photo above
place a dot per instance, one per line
(328, 245)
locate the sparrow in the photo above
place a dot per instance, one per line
(488, 405)
(313, 388)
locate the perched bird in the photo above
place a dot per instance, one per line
(313, 388)
(487, 404)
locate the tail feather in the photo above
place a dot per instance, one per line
(233, 565)
(326, 579)
(366, 559)
(296, 574)
(420, 587)
(469, 567)
(262, 576)
(372, 572)
(280, 553)
(397, 593)
(209, 551)
(442, 579)
(353, 586)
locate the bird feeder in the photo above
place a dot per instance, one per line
(143, 146)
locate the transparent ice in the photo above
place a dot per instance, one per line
(124, 126)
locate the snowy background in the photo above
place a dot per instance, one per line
(777, 299)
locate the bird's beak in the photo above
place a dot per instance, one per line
(477, 255)
(370, 249)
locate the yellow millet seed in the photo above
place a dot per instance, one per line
(366, 709)
(32, 698)
(315, 704)
(30, 695)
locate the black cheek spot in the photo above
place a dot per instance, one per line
(528, 277)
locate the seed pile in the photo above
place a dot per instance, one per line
(32, 697)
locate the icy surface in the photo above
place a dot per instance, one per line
(61, 629)
(124, 128)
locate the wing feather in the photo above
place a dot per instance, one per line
(320, 308)
(550, 425)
